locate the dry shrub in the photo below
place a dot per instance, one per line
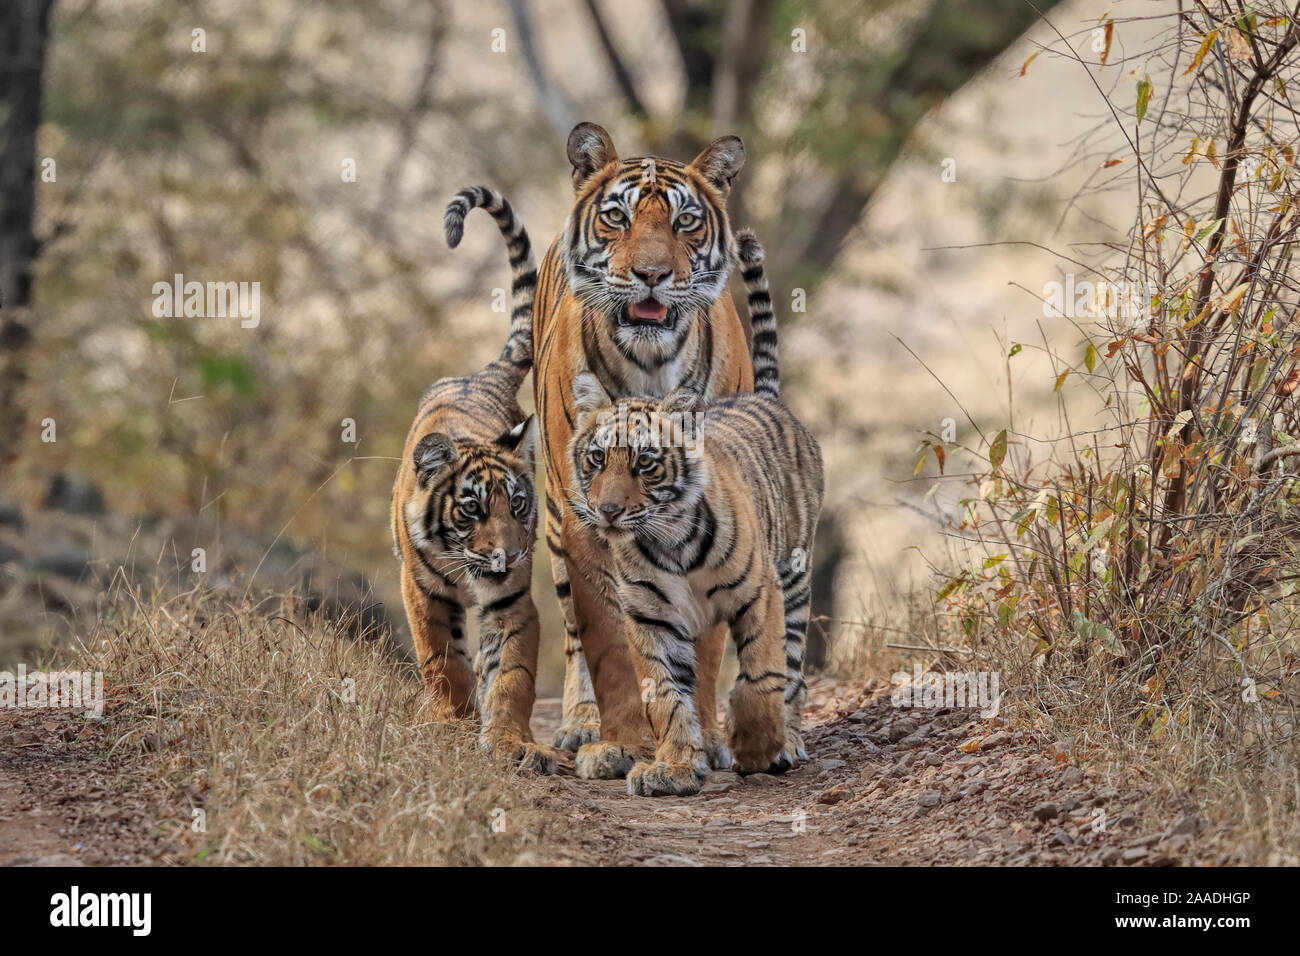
(301, 744)
(1137, 583)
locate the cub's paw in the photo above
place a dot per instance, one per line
(574, 733)
(755, 752)
(603, 761)
(660, 779)
(716, 750)
(529, 756)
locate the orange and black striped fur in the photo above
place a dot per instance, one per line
(709, 511)
(634, 291)
(464, 519)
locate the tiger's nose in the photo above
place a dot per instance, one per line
(651, 277)
(611, 512)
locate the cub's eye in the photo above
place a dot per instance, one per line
(646, 461)
(687, 221)
(614, 218)
(469, 507)
(596, 458)
(519, 502)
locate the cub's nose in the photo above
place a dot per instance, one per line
(611, 512)
(651, 277)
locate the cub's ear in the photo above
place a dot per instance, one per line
(588, 394)
(682, 400)
(720, 161)
(590, 150)
(522, 439)
(433, 453)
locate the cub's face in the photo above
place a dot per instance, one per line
(631, 471)
(648, 243)
(473, 503)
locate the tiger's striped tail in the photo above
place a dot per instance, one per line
(767, 375)
(518, 350)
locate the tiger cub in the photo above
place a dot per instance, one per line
(464, 520)
(709, 513)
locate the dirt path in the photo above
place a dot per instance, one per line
(883, 785)
(65, 800)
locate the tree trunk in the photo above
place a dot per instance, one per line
(24, 26)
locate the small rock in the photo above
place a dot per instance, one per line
(930, 798)
(1134, 854)
(759, 780)
(997, 739)
(74, 493)
(1061, 838)
(933, 759)
(761, 860)
(757, 845)
(1045, 811)
(823, 766)
(835, 794)
(1187, 824)
(1072, 776)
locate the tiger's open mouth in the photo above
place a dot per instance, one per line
(647, 312)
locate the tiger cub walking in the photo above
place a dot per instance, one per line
(710, 514)
(464, 520)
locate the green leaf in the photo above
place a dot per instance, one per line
(228, 369)
(1204, 232)
(1090, 356)
(1144, 96)
(1015, 350)
(949, 589)
(998, 450)
(1060, 380)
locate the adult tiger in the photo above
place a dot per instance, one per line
(632, 291)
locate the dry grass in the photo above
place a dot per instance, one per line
(302, 745)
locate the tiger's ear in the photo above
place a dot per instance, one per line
(522, 439)
(588, 394)
(590, 149)
(433, 453)
(682, 400)
(720, 161)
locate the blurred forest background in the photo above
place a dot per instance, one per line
(217, 140)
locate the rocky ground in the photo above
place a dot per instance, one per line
(884, 785)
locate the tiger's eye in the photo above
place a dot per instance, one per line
(687, 221)
(614, 218)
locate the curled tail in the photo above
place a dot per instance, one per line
(767, 376)
(518, 350)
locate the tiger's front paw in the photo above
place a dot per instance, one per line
(529, 756)
(660, 779)
(716, 750)
(603, 761)
(576, 731)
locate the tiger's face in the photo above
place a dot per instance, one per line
(474, 505)
(648, 245)
(631, 471)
